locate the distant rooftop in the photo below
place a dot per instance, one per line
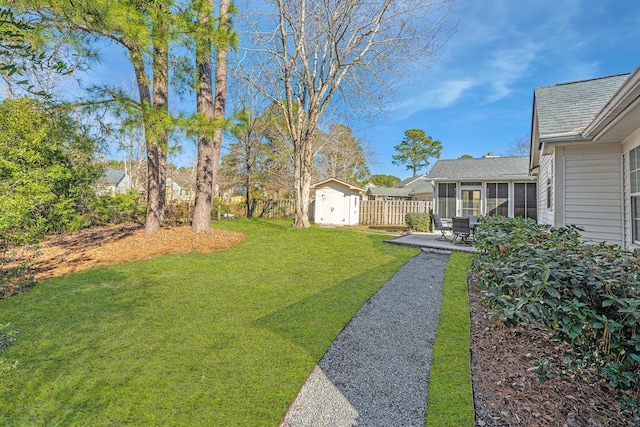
(486, 168)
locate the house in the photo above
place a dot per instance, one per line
(180, 187)
(585, 153)
(337, 202)
(113, 182)
(491, 185)
(414, 188)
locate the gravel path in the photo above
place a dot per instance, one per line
(376, 372)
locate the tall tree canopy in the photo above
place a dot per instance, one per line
(309, 52)
(415, 150)
(382, 180)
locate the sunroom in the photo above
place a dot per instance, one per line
(491, 185)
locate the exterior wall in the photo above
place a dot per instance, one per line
(545, 214)
(593, 195)
(336, 205)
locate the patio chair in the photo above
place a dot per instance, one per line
(437, 225)
(462, 230)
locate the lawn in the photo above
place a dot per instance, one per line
(450, 392)
(225, 338)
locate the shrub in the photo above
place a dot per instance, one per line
(587, 295)
(418, 221)
(117, 209)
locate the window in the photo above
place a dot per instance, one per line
(525, 200)
(447, 200)
(498, 198)
(634, 187)
(549, 194)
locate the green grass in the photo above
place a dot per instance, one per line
(450, 393)
(221, 339)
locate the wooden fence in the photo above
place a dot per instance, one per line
(284, 208)
(390, 212)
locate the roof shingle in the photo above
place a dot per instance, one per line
(570, 107)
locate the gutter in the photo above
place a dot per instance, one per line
(627, 96)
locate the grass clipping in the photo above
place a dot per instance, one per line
(450, 391)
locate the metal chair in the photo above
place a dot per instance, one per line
(437, 225)
(462, 230)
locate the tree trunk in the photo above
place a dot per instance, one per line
(204, 175)
(160, 35)
(212, 109)
(220, 100)
(303, 166)
(152, 220)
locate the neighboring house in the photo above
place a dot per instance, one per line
(113, 182)
(414, 188)
(585, 152)
(491, 185)
(337, 202)
(181, 187)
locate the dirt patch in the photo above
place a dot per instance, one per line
(507, 393)
(115, 244)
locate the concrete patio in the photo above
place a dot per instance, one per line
(429, 241)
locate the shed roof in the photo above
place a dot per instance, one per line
(328, 180)
(489, 168)
(570, 107)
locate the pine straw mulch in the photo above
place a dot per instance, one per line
(506, 393)
(111, 244)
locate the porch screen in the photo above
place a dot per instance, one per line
(525, 200)
(447, 200)
(498, 198)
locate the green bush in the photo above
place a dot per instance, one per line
(587, 295)
(418, 221)
(117, 209)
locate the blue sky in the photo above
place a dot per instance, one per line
(477, 97)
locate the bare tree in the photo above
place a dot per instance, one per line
(520, 147)
(342, 155)
(318, 50)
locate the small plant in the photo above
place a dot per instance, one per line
(6, 338)
(418, 221)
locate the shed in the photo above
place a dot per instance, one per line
(337, 202)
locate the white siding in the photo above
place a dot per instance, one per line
(545, 216)
(593, 196)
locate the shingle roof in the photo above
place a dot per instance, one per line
(494, 168)
(389, 192)
(420, 186)
(112, 176)
(569, 107)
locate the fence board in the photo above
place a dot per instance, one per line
(390, 212)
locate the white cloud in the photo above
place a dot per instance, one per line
(437, 96)
(507, 67)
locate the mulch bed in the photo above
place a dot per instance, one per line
(507, 393)
(107, 245)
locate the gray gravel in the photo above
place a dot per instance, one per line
(376, 372)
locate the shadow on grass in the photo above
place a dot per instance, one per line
(313, 323)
